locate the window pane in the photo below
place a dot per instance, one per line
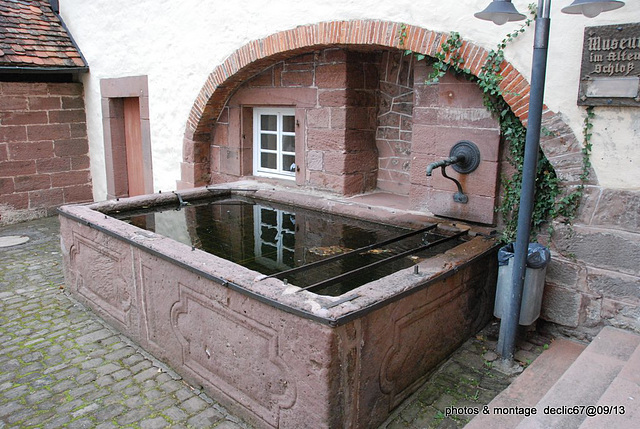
(288, 162)
(288, 143)
(289, 124)
(288, 221)
(269, 122)
(288, 258)
(268, 160)
(270, 252)
(289, 240)
(269, 217)
(269, 141)
(269, 235)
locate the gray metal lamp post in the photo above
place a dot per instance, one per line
(500, 12)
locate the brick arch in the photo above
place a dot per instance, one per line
(560, 144)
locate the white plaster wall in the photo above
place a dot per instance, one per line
(178, 43)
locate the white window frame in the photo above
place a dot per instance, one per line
(279, 171)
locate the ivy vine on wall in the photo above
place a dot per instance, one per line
(550, 202)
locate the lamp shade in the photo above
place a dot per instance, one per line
(592, 8)
(500, 12)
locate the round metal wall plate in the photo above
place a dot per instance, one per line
(471, 154)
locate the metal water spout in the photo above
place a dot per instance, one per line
(442, 163)
(464, 157)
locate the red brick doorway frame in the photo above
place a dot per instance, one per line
(560, 145)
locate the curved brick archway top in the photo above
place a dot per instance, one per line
(561, 147)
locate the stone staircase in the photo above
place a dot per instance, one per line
(604, 374)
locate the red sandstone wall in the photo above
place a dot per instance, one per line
(44, 151)
(395, 122)
(368, 121)
(444, 114)
(335, 94)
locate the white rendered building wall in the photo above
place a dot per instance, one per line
(178, 43)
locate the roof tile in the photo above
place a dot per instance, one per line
(31, 35)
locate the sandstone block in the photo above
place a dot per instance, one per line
(325, 139)
(621, 314)
(71, 147)
(614, 285)
(297, 78)
(35, 150)
(14, 133)
(48, 132)
(561, 272)
(315, 160)
(332, 76)
(70, 178)
(54, 165)
(453, 93)
(81, 162)
(23, 118)
(601, 248)
(46, 198)
(67, 116)
(320, 118)
(69, 102)
(478, 209)
(17, 168)
(9, 103)
(77, 194)
(6, 186)
(30, 183)
(438, 140)
(562, 306)
(618, 209)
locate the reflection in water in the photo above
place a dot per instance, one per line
(275, 237)
(271, 238)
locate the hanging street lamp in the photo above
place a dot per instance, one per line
(500, 12)
(592, 8)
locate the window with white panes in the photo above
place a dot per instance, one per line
(274, 142)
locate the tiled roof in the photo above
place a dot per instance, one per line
(32, 36)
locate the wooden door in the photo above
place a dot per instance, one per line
(133, 144)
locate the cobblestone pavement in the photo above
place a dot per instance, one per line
(61, 366)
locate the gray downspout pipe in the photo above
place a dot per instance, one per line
(511, 316)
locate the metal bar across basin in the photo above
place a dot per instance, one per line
(364, 268)
(353, 252)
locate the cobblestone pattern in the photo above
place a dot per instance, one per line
(60, 366)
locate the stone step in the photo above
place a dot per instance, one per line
(622, 396)
(586, 381)
(530, 386)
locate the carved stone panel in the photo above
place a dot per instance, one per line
(419, 340)
(99, 279)
(238, 355)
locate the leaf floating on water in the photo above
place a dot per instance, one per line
(376, 251)
(329, 250)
